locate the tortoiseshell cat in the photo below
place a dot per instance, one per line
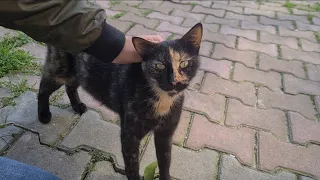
(148, 96)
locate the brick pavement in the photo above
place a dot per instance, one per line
(252, 112)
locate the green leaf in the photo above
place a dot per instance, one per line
(150, 171)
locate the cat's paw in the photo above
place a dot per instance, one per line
(45, 117)
(80, 108)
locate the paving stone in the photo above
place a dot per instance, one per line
(182, 128)
(172, 19)
(273, 4)
(306, 178)
(92, 131)
(121, 25)
(259, 12)
(239, 142)
(313, 72)
(194, 16)
(195, 83)
(274, 8)
(7, 135)
(249, 34)
(4, 31)
(103, 4)
(201, 3)
(132, 3)
(307, 27)
(299, 34)
(104, 170)
(25, 114)
(302, 12)
(211, 105)
(274, 153)
(200, 9)
(291, 17)
(309, 46)
(155, 5)
(33, 81)
(249, 4)
(216, 20)
(5, 112)
(206, 48)
(210, 27)
(252, 19)
(137, 30)
(227, 40)
(111, 13)
(220, 67)
(244, 91)
(291, 54)
(298, 103)
(295, 85)
(28, 150)
(269, 21)
(4, 92)
(316, 20)
(125, 8)
(270, 38)
(259, 27)
(35, 49)
(273, 120)
(185, 164)
(184, 7)
(227, 7)
(231, 169)
(269, 63)
(149, 23)
(246, 57)
(303, 130)
(168, 27)
(270, 49)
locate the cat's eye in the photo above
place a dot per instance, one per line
(184, 64)
(160, 66)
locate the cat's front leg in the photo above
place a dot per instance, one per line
(130, 151)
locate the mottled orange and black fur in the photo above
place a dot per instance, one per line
(148, 96)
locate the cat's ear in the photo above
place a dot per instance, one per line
(194, 36)
(142, 46)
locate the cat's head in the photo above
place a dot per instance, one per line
(171, 65)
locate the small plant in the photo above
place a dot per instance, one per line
(7, 101)
(117, 16)
(147, 12)
(170, 37)
(310, 17)
(289, 5)
(114, 2)
(150, 171)
(16, 88)
(317, 36)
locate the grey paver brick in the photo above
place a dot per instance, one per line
(195, 84)
(244, 91)
(104, 170)
(238, 142)
(316, 20)
(112, 13)
(35, 49)
(168, 27)
(216, 20)
(303, 130)
(285, 16)
(231, 169)
(306, 178)
(268, 63)
(201, 3)
(274, 8)
(212, 105)
(249, 4)
(227, 40)
(132, 3)
(200, 9)
(307, 27)
(251, 11)
(291, 54)
(5, 112)
(270, 38)
(123, 26)
(295, 85)
(138, 29)
(168, 4)
(298, 103)
(149, 23)
(125, 8)
(4, 92)
(313, 72)
(309, 46)
(7, 135)
(210, 27)
(219, 67)
(302, 12)
(273, 120)
(227, 7)
(172, 19)
(25, 114)
(185, 164)
(206, 48)
(250, 18)
(246, 57)
(32, 81)
(250, 34)
(92, 131)
(155, 5)
(259, 27)
(274, 153)
(28, 150)
(270, 21)
(4, 31)
(299, 34)
(181, 131)
(195, 16)
(270, 49)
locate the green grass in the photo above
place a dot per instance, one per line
(8, 101)
(16, 88)
(114, 2)
(147, 12)
(170, 37)
(310, 17)
(117, 16)
(289, 5)
(317, 36)
(13, 59)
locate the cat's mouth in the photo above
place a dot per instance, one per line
(172, 93)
